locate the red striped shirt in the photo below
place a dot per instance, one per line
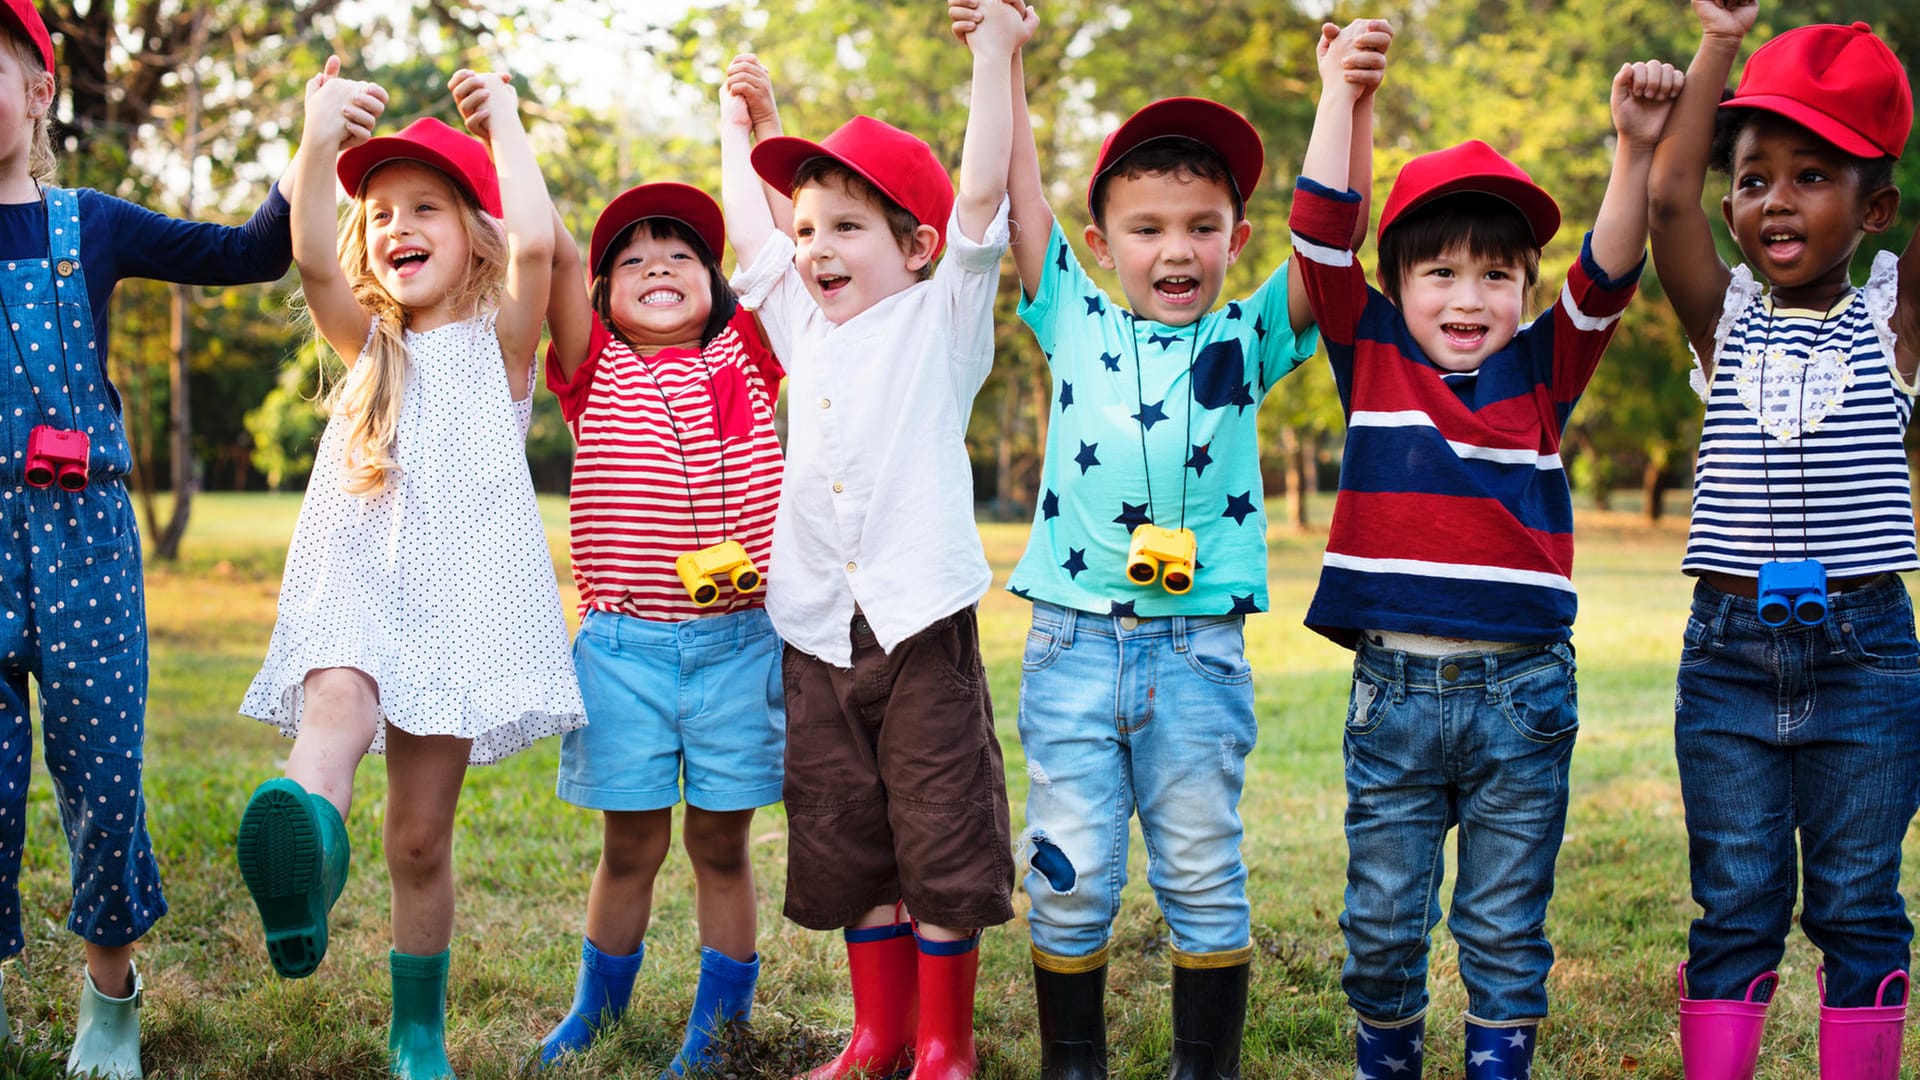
(677, 452)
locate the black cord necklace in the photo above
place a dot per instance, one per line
(1140, 403)
(1820, 338)
(673, 425)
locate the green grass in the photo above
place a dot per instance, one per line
(523, 860)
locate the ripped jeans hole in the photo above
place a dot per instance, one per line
(1053, 865)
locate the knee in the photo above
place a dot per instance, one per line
(716, 847)
(629, 852)
(339, 690)
(417, 851)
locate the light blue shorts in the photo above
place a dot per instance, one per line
(703, 696)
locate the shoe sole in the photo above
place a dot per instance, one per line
(279, 853)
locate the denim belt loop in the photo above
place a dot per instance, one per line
(607, 628)
(1836, 643)
(1399, 677)
(1492, 663)
(1067, 618)
(1719, 627)
(1179, 624)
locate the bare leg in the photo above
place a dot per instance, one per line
(620, 902)
(111, 967)
(339, 716)
(723, 879)
(424, 774)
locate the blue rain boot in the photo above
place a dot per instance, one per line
(600, 995)
(1390, 1053)
(1500, 1053)
(723, 999)
(417, 1041)
(106, 1042)
(293, 855)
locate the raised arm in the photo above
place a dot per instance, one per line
(998, 33)
(1906, 311)
(491, 109)
(1353, 62)
(1030, 217)
(1684, 255)
(569, 311)
(1642, 99)
(750, 205)
(339, 112)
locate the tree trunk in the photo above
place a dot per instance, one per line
(1653, 489)
(1003, 457)
(166, 545)
(1302, 458)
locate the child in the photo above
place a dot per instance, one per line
(1448, 560)
(1167, 392)
(81, 633)
(418, 614)
(1795, 721)
(894, 789)
(669, 390)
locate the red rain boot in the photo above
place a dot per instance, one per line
(943, 1044)
(882, 962)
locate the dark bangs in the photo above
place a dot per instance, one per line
(1487, 226)
(663, 228)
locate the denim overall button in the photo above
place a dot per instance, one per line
(1128, 622)
(1450, 672)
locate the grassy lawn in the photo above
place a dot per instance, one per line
(214, 1008)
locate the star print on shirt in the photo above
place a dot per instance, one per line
(1094, 306)
(1239, 506)
(1112, 360)
(1086, 458)
(1066, 396)
(1132, 515)
(1260, 328)
(1162, 340)
(1049, 506)
(1244, 605)
(1061, 262)
(1219, 377)
(1120, 609)
(1021, 593)
(1076, 562)
(1150, 415)
(1200, 459)
(1233, 309)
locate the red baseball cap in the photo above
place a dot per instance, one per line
(1471, 166)
(1840, 82)
(684, 203)
(430, 142)
(901, 166)
(1209, 123)
(21, 15)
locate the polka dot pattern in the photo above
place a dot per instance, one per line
(441, 588)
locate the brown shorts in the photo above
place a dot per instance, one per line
(894, 787)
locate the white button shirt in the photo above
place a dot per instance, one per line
(876, 508)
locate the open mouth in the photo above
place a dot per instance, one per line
(662, 298)
(1178, 289)
(831, 283)
(407, 261)
(1465, 337)
(1783, 244)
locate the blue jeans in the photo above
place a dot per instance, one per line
(1125, 714)
(1813, 730)
(1478, 740)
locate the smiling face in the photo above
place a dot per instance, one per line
(1170, 236)
(1463, 307)
(846, 249)
(1798, 209)
(417, 242)
(659, 291)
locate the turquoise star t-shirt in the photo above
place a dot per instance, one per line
(1152, 423)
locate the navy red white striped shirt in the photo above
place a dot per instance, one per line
(1454, 517)
(649, 430)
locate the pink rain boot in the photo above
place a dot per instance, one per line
(1862, 1044)
(1720, 1040)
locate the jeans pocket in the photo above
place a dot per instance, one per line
(1541, 705)
(1366, 706)
(1881, 642)
(1043, 648)
(1693, 644)
(1218, 653)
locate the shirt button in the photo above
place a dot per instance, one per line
(825, 402)
(1128, 622)
(838, 488)
(1450, 672)
(851, 567)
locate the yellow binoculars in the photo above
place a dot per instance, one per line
(697, 570)
(1166, 554)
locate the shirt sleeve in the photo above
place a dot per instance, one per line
(772, 289)
(573, 392)
(145, 244)
(760, 359)
(1322, 222)
(1062, 276)
(1277, 349)
(969, 275)
(1583, 321)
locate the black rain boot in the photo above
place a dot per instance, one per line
(1209, 1013)
(1071, 993)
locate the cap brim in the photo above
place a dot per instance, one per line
(778, 160)
(355, 164)
(1542, 214)
(1200, 120)
(1821, 124)
(681, 202)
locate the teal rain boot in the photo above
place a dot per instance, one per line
(417, 1042)
(293, 855)
(106, 1042)
(723, 999)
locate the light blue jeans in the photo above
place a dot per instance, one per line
(1119, 714)
(1477, 740)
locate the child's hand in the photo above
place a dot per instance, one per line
(343, 111)
(481, 97)
(966, 15)
(746, 94)
(1355, 55)
(1643, 95)
(1726, 18)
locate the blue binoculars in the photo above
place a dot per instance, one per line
(1794, 590)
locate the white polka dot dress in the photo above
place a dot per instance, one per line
(441, 588)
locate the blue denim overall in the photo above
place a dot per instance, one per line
(72, 614)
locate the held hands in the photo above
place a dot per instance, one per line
(1643, 95)
(343, 111)
(1726, 18)
(746, 95)
(1000, 27)
(481, 96)
(1354, 56)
